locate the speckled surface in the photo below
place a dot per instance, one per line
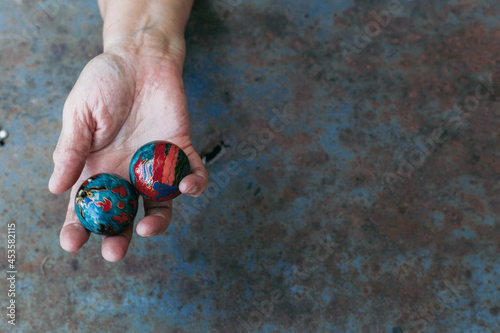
(315, 220)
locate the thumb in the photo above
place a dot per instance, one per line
(72, 149)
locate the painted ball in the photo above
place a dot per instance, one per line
(106, 204)
(157, 169)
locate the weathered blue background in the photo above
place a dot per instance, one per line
(420, 257)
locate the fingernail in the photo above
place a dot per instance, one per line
(150, 235)
(192, 190)
(51, 183)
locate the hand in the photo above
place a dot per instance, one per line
(123, 99)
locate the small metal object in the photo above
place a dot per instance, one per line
(216, 152)
(3, 134)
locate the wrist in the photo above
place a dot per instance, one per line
(145, 27)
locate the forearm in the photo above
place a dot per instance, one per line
(143, 25)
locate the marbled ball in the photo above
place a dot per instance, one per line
(157, 169)
(106, 204)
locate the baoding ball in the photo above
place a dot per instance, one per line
(157, 169)
(106, 204)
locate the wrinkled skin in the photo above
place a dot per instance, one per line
(121, 101)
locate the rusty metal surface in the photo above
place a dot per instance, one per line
(357, 190)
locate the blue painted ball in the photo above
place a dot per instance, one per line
(106, 204)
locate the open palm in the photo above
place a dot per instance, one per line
(121, 101)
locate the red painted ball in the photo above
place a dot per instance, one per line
(157, 169)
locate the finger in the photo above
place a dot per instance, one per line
(157, 218)
(73, 235)
(72, 149)
(114, 248)
(196, 182)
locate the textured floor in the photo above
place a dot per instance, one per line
(357, 190)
